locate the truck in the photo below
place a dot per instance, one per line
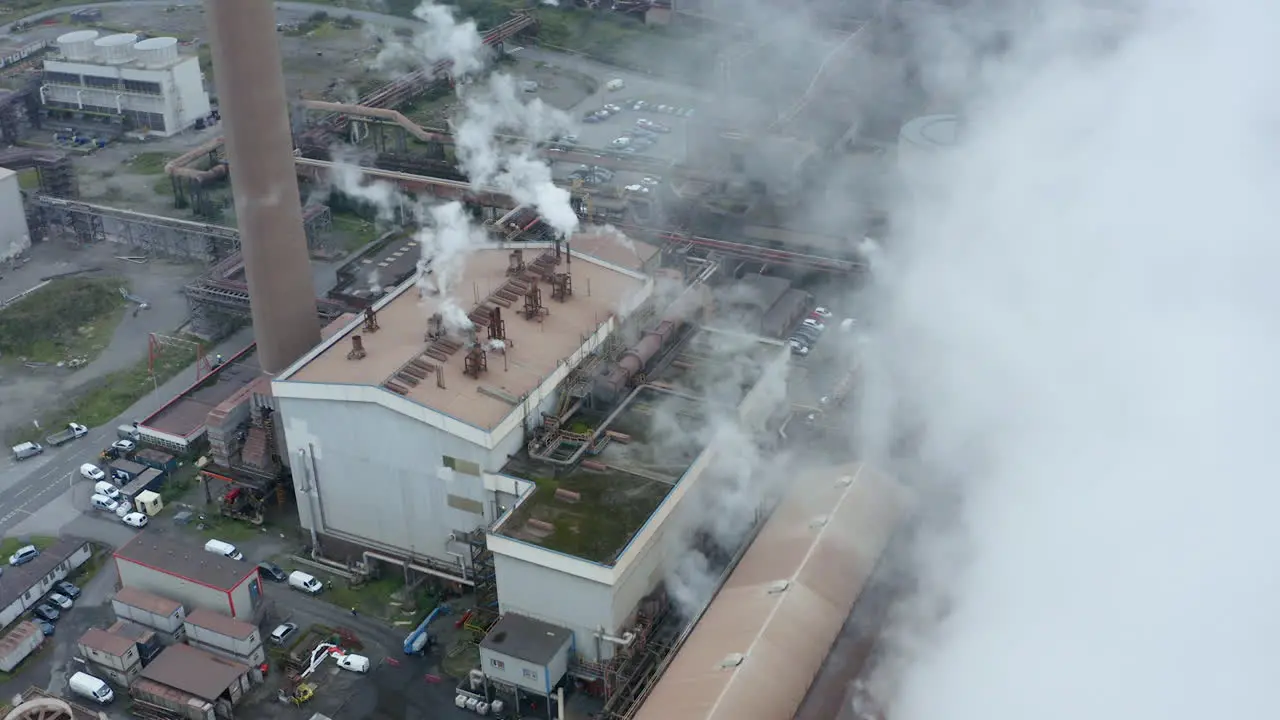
(66, 435)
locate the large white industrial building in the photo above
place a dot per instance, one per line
(15, 237)
(147, 84)
(576, 458)
(395, 442)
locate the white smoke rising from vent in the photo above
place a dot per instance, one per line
(447, 238)
(615, 235)
(345, 177)
(497, 133)
(1083, 324)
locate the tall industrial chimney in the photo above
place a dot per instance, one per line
(251, 97)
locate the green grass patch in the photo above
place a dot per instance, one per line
(610, 508)
(9, 546)
(29, 179)
(68, 318)
(355, 231)
(151, 163)
(114, 393)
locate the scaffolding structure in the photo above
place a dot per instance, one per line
(485, 612)
(153, 234)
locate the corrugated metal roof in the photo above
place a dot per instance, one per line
(143, 600)
(220, 624)
(194, 671)
(763, 638)
(105, 642)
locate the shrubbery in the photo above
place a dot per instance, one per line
(55, 311)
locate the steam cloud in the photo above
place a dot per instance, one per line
(495, 133)
(1081, 319)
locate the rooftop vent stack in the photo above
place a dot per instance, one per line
(515, 262)
(497, 328)
(476, 362)
(259, 144)
(357, 348)
(435, 326)
(533, 309)
(370, 320)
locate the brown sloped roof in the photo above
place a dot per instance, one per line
(105, 642)
(784, 603)
(194, 671)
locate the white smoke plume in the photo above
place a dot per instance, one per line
(446, 238)
(497, 133)
(1082, 322)
(345, 177)
(443, 38)
(615, 235)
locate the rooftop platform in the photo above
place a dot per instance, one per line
(377, 269)
(185, 415)
(613, 493)
(431, 371)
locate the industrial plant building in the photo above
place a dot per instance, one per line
(15, 236)
(757, 647)
(182, 570)
(395, 425)
(146, 85)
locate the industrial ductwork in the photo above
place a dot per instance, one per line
(387, 114)
(180, 166)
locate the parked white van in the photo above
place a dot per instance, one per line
(299, 580)
(86, 685)
(225, 549)
(25, 450)
(102, 487)
(104, 503)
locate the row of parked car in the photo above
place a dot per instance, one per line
(106, 495)
(62, 597)
(809, 331)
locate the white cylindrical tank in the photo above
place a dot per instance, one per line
(78, 45)
(922, 144)
(156, 51)
(115, 49)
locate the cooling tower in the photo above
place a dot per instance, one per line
(251, 97)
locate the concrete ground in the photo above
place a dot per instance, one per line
(55, 662)
(25, 392)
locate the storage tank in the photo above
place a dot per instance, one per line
(78, 45)
(922, 142)
(115, 49)
(157, 51)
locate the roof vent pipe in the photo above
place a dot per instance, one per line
(624, 641)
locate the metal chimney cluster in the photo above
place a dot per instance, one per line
(251, 97)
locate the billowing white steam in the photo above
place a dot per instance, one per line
(386, 198)
(447, 237)
(497, 133)
(442, 38)
(1085, 322)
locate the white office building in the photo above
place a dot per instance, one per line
(146, 84)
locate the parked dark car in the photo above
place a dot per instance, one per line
(46, 628)
(67, 589)
(273, 572)
(46, 612)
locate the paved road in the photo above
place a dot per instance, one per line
(28, 486)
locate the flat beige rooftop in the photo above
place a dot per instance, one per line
(534, 348)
